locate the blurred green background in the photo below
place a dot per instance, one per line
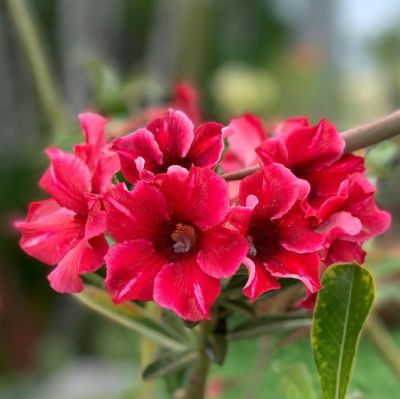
(320, 58)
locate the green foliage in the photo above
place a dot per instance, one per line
(341, 309)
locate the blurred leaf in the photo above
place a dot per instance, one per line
(129, 315)
(340, 312)
(241, 307)
(168, 364)
(217, 347)
(296, 382)
(380, 158)
(267, 325)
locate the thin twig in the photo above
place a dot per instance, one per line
(355, 138)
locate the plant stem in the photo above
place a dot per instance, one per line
(355, 138)
(384, 343)
(197, 383)
(37, 60)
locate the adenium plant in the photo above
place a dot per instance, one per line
(155, 208)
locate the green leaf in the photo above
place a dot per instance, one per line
(216, 348)
(130, 315)
(296, 382)
(340, 312)
(238, 306)
(168, 364)
(268, 324)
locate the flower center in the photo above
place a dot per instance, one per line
(184, 238)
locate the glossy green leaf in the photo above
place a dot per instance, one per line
(168, 364)
(130, 315)
(340, 312)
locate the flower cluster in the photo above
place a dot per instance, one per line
(175, 228)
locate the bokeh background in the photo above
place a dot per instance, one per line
(338, 59)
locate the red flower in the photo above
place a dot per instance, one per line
(68, 228)
(167, 141)
(282, 241)
(355, 197)
(312, 153)
(172, 245)
(244, 135)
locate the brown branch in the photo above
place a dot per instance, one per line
(355, 138)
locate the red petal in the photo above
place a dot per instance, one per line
(296, 233)
(86, 257)
(221, 252)
(273, 150)
(340, 224)
(140, 143)
(107, 166)
(326, 182)
(207, 145)
(140, 213)
(311, 147)
(174, 135)
(67, 180)
(131, 269)
(276, 188)
(245, 134)
(201, 197)
(239, 216)
(186, 99)
(93, 127)
(345, 251)
(260, 280)
(303, 267)
(96, 220)
(49, 231)
(184, 288)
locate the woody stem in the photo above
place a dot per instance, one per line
(355, 138)
(197, 384)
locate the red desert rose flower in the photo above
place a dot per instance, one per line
(244, 135)
(313, 153)
(173, 246)
(68, 228)
(281, 238)
(167, 141)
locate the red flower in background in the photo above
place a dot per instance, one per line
(244, 135)
(172, 245)
(170, 140)
(68, 228)
(281, 238)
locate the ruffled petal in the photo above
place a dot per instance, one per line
(139, 144)
(221, 252)
(50, 231)
(260, 280)
(312, 147)
(184, 288)
(107, 166)
(345, 251)
(245, 134)
(140, 213)
(86, 257)
(239, 217)
(273, 150)
(276, 188)
(303, 267)
(296, 233)
(67, 180)
(131, 269)
(96, 219)
(186, 99)
(93, 126)
(201, 197)
(207, 145)
(340, 224)
(174, 135)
